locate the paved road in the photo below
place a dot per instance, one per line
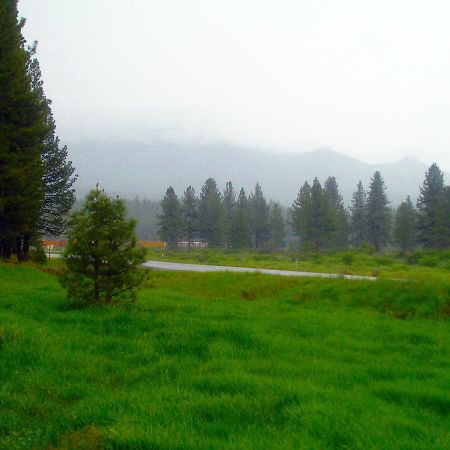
(164, 265)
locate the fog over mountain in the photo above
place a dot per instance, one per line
(147, 169)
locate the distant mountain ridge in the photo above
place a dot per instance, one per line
(147, 169)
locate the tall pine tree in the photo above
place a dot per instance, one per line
(260, 226)
(240, 227)
(229, 206)
(338, 225)
(430, 224)
(210, 214)
(444, 218)
(170, 225)
(378, 213)
(189, 209)
(320, 217)
(358, 216)
(22, 130)
(58, 173)
(301, 216)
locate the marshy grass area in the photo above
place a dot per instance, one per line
(226, 360)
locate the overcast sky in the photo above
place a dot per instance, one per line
(367, 78)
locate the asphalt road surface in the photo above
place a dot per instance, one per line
(164, 265)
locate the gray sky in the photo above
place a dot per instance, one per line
(368, 78)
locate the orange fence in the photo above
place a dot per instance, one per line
(145, 244)
(152, 244)
(47, 243)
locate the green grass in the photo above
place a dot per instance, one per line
(223, 360)
(416, 265)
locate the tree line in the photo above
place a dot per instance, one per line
(317, 218)
(228, 219)
(36, 177)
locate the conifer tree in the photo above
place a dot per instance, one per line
(170, 225)
(102, 255)
(260, 225)
(277, 227)
(378, 213)
(189, 209)
(301, 215)
(444, 218)
(320, 217)
(429, 208)
(22, 130)
(240, 228)
(229, 206)
(58, 173)
(338, 225)
(211, 214)
(405, 225)
(358, 216)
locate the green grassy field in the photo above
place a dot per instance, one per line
(417, 265)
(224, 360)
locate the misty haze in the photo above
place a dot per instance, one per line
(146, 169)
(224, 224)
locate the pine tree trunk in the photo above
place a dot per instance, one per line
(7, 250)
(19, 251)
(26, 248)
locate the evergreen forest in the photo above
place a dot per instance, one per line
(317, 220)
